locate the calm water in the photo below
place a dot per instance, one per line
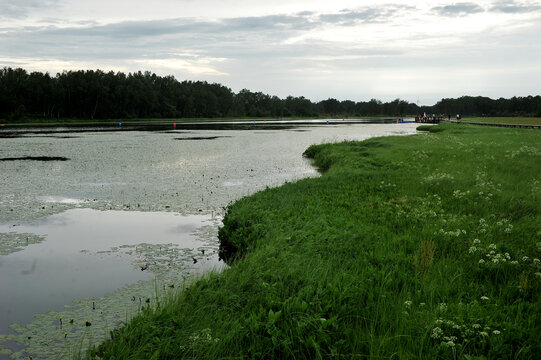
(126, 214)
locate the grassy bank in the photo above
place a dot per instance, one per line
(505, 120)
(424, 246)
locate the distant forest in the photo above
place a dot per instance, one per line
(108, 95)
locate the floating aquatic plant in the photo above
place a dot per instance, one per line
(12, 242)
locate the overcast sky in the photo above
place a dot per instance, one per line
(419, 51)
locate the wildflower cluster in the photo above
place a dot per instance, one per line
(488, 257)
(384, 185)
(483, 226)
(457, 194)
(505, 225)
(485, 196)
(528, 150)
(535, 185)
(200, 339)
(451, 233)
(420, 154)
(487, 186)
(438, 177)
(500, 226)
(418, 208)
(450, 333)
(488, 254)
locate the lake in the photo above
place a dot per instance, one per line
(96, 225)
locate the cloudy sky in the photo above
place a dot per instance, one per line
(419, 51)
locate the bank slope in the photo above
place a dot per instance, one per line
(406, 247)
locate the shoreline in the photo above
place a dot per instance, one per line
(14, 129)
(404, 243)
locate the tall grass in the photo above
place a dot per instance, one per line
(424, 246)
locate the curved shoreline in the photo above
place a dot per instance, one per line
(359, 261)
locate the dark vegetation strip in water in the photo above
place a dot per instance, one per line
(424, 246)
(201, 138)
(36, 158)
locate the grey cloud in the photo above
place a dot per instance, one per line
(458, 9)
(249, 37)
(512, 7)
(367, 14)
(305, 13)
(21, 8)
(183, 27)
(350, 17)
(267, 28)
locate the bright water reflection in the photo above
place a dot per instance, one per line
(81, 257)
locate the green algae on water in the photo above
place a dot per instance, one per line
(12, 242)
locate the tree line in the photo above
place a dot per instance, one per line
(95, 94)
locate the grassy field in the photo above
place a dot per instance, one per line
(424, 246)
(505, 120)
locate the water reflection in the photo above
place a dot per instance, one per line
(79, 257)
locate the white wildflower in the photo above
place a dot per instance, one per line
(536, 261)
(481, 261)
(492, 246)
(496, 332)
(472, 250)
(476, 326)
(407, 303)
(484, 298)
(476, 241)
(436, 333)
(525, 258)
(483, 333)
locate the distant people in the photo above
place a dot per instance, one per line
(449, 117)
(458, 117)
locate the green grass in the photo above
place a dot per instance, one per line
(505, 120)
(425, 246)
